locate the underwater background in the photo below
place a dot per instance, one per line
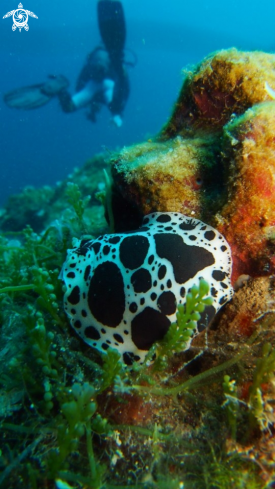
(40, 147)
(140, 359)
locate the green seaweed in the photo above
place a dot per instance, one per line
(180, 332)
(59, 398)
(264, 373)
(255, 412)
(79, 204)
(231, 404)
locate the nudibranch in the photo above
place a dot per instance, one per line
(122, 290)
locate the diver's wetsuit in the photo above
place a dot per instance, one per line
(101, 81)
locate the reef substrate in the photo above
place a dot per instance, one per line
(214, 160)
(72, 418)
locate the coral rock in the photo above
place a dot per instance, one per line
(225, 83)
(249, 215)
(214, 160)
(176, 176)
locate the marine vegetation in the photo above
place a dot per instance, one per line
(191, 414)
(72, 415)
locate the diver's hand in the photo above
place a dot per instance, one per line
(116, 120)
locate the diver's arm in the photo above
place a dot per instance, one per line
(85, 96)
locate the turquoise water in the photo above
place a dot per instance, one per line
(42, 146)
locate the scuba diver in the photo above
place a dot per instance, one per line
(102, 81)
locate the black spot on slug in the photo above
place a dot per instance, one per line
(74, 296)
(106, 297)
(133, 251)
(149, 326)
(186, 260)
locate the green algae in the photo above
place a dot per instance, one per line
(55, 392)
(178, 336)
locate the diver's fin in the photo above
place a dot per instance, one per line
(35, 96)
(26, 97)
(112, 26)
(54, 85)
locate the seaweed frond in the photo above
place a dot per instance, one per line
(179, 334)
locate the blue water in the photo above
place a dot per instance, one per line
(42, 146)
